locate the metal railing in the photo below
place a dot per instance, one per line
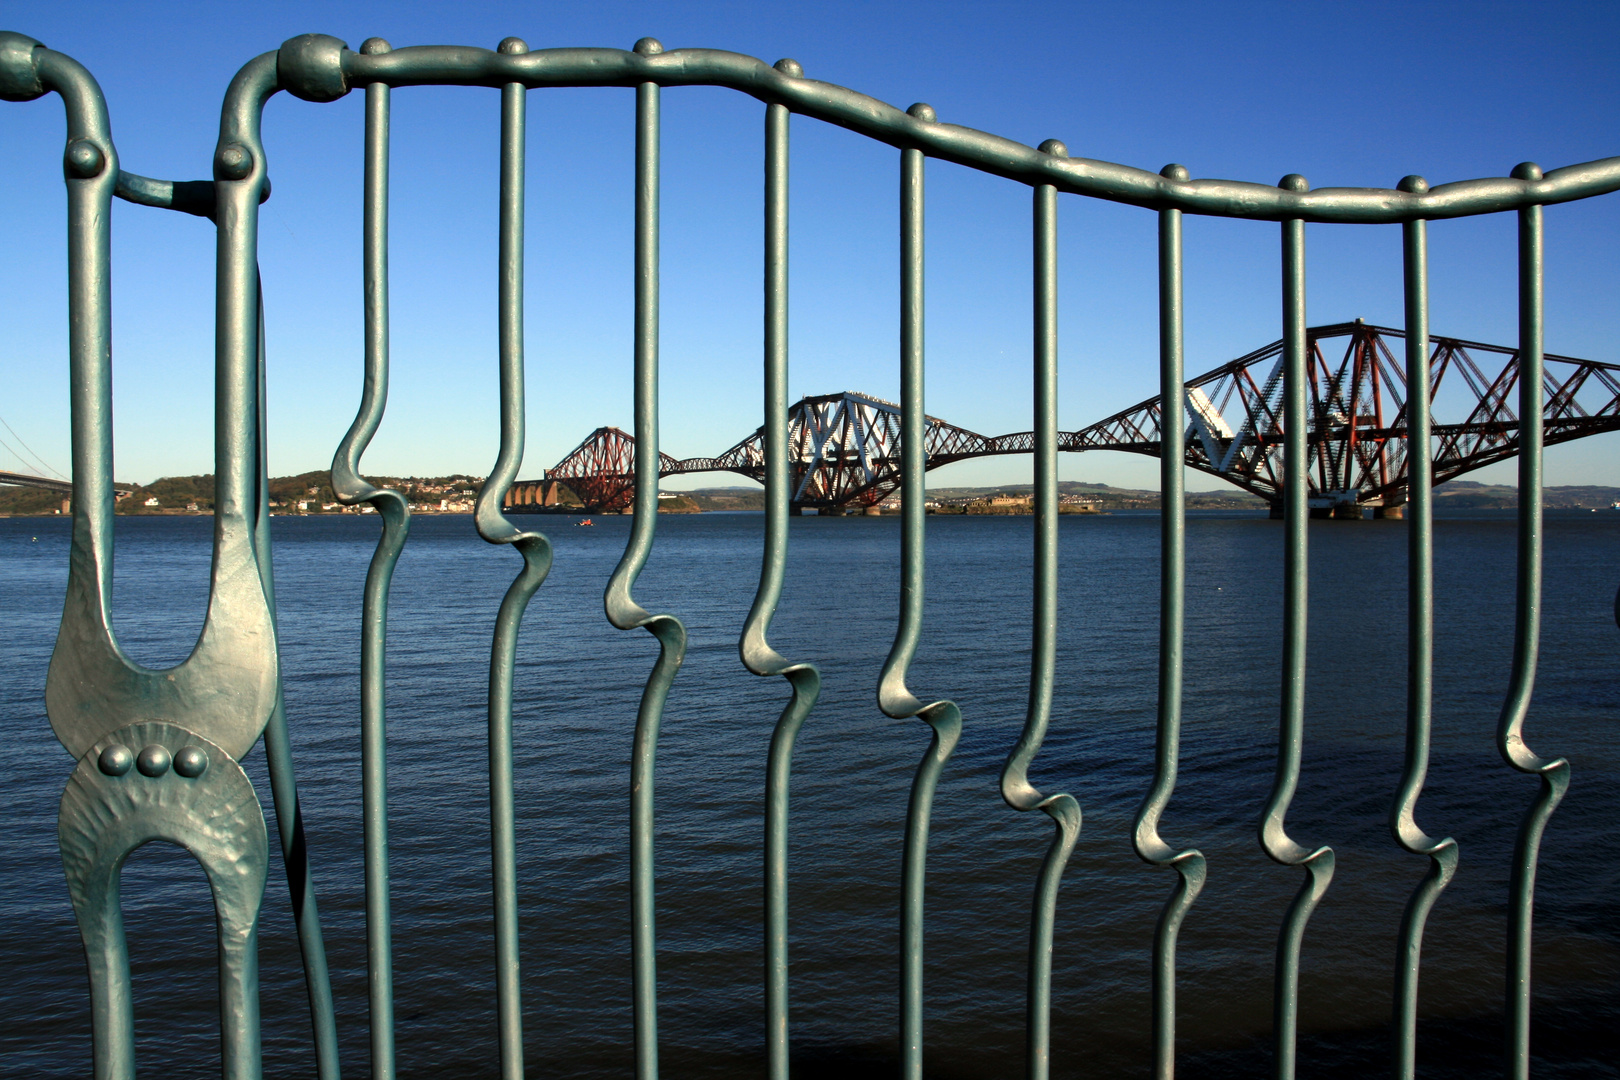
(177, 779)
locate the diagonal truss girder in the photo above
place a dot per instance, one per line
(847, 448)
(1357, 436)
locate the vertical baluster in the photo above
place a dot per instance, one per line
(1189, 865)
(284, 789)
(391, 506)
(91, 174)
(757, 654)
(894, 698)
(536, 552)
(1554, 773)
(622, 610)
(1419, 642)
(1274, 838)
(1016, 788)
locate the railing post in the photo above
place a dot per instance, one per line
(1189, 865)
(894, 699)
(757, 655)
(537, 556)
(1274, 838)
(1554, 773)
(622, 610)
(1016, 788)
(1419, 642)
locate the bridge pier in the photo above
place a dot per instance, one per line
(1389, 513)
(1336, 512)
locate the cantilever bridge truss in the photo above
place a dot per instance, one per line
(1357, 403)
(846, 448)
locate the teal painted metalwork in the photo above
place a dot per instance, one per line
(622, 610)
(1189, 865)
(537, 555)
(213, 706)
(893, 697)
(197, 198)
(1274, 838)
(284, 789)
(101, 704)
(456, 66)
(186, 790)
(1419, 644)
(757, 654)
(1554, 773)
(1016, 788)
(390, 505)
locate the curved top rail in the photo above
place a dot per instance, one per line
(320, 68)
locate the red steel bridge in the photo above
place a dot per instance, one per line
(847, 451)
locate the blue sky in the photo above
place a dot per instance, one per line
(1347, 94)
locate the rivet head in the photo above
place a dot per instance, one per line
(310, 66)
(791, 68)
(1294, 182)
(83, 159)
(1176, 172)
(1414, 185)
(924, 112)
(153, 761)
(649, 46)
(375, 46)
(116, 760)
(1054, 148)
(1527, 170)
(191, 762)
(233, 162)
(512, 46)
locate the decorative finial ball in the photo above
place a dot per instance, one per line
(791, 68)
(1054, 148)
(924, 112)
(1294, 182)
(310, 66)
(1527, 170)
(233, 162)
(83, 159)
(375, 46)
(512, 46)
(1176, 172)
(1414, 185)
(648, 46)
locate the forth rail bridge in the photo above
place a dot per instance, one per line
(846, 448)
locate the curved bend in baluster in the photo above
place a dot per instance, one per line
(1442, 854)
(1274, 838)
(622, 610)
(493, 526)
(157, 750)
(1189, 865)
(1016, 788)
(1553, 772)
(894, 698)
(352, 489)
(756, 652)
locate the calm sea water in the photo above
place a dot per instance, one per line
(578, 681)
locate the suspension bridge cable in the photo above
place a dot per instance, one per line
(25, 446)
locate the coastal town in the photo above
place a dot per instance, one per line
(311, 494)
